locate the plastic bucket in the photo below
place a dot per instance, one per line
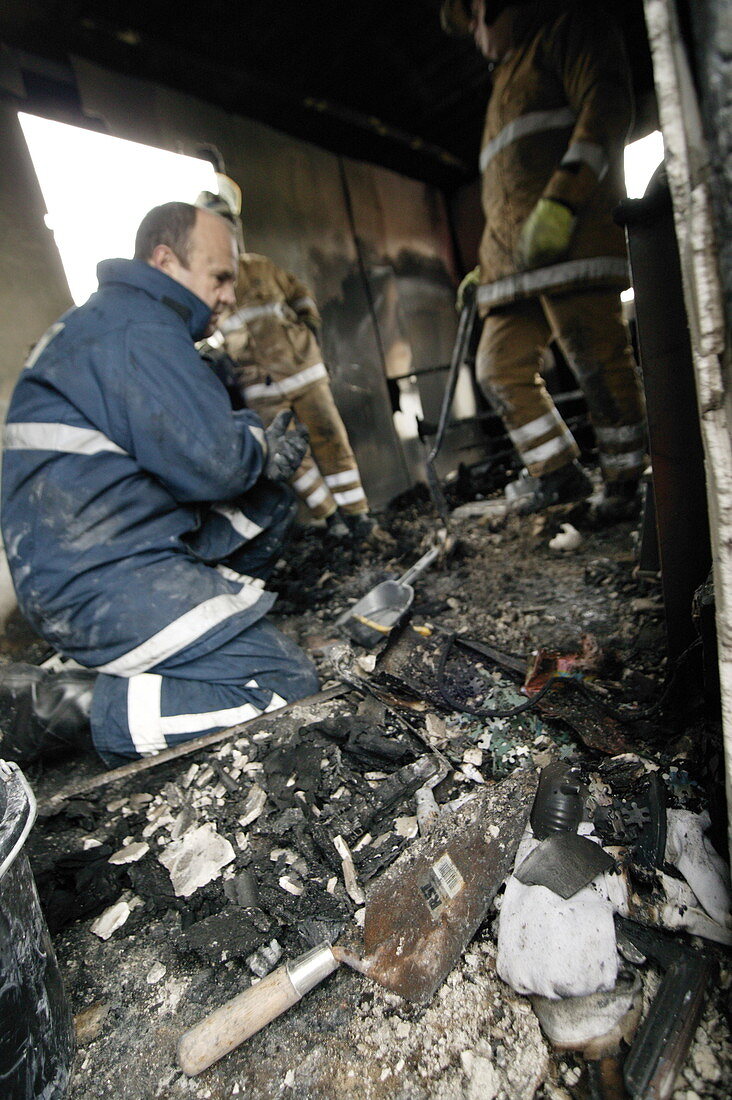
(36, 1025)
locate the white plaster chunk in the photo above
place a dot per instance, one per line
(111, 919)
(406, 826)
(567, 540)
(137, 801)
(705, 1063)
(288, 883)
(353, 889)
(190, 775)
(436, 729)
(196, 859)
(484, 1082)
(155, 973)
(182, 822)
(131, 853)
(428, 809)
(253, 805)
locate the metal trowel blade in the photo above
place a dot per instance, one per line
(564, 863)
(424, 910)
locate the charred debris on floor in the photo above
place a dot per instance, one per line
(269, 843)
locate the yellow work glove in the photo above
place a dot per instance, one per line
(471, 279)
(546, 233)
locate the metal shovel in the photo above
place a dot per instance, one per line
(466, 325)
(377, 613)
(420, 916)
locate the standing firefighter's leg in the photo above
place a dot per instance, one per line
(592, 334)
(507, 368)
(330, 446)
(309, 485)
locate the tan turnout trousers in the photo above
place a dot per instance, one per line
(328, 477)
(589, 328)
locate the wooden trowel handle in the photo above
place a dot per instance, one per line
(228, 1026)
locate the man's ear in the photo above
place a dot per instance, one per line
(163, 258)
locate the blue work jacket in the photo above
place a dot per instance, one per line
(125, 474)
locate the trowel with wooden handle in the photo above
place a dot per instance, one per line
(420, 915)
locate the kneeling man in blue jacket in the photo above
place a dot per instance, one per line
(141, 515)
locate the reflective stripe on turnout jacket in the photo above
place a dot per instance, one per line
(267, 336)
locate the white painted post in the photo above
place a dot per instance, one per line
(687, 166)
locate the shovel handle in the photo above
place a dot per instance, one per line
(419, 566)
(230, 1025)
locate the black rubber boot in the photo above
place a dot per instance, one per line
(335, 526)
(42, 713)
(566, 485)
(360, 524)
(619, 500)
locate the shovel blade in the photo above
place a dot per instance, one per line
(423, 911)
(376, 614)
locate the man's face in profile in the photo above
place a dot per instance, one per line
(212, 265)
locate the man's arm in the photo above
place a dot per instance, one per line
(300, 300)
(179, 421)
(589, 56)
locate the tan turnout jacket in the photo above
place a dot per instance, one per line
(267, 334)
(556, 124)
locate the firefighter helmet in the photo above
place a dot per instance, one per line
(227, 202)
(456, 16)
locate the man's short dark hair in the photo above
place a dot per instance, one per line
(169, 224)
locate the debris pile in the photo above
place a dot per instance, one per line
(181, 887)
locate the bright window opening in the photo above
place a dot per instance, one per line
(642, 158)
(97, 190)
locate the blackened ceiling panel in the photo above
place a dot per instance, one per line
(379, 81)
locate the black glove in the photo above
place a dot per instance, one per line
(286, 448)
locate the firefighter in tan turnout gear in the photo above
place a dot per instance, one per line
(552, 260)
(272, 339)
